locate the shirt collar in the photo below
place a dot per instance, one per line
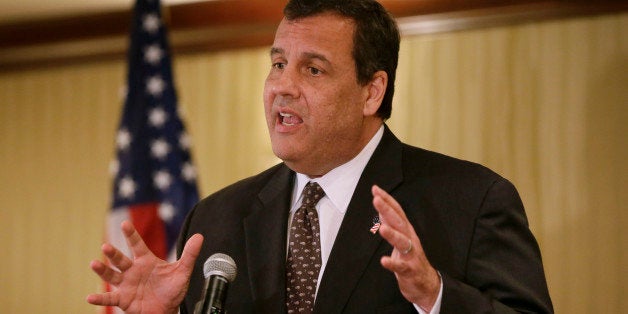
(339, 183)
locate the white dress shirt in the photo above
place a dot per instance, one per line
(339, 185)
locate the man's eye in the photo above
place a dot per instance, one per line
(314, 71)
(279, 65)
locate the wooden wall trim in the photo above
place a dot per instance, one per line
(504, 15)
(230, 24)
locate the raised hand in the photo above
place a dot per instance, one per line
(418, 281)
(145, 284)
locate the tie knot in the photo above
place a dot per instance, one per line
(312, 193)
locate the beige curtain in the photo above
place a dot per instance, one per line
(543, 104)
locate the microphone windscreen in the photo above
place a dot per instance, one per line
(221, 265)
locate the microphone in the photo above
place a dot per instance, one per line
(219, 271)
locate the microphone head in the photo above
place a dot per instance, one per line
(221, 265)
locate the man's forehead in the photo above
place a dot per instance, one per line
(313, 36)
(326, 18)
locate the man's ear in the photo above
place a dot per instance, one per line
(375, 90)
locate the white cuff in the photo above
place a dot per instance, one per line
(436, 307)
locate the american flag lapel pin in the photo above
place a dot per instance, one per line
(376, 224)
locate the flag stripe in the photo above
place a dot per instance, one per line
(150, 227)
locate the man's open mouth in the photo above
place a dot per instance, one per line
(289, 119)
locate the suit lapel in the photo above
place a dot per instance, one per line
(265, 233)
(355, 245)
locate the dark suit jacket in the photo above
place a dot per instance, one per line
(470, 221)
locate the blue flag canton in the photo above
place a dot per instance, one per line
(153, 159)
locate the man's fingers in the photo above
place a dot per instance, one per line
(387, 214)
(397, 266)
(402, 243)
(394, 226)
(116, 257)
(105, 299)
(133, 239)
(390, 211)
(106, 273)
(190, 252)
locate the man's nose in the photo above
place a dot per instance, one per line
(287, 83)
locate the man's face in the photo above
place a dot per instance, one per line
(313, 103)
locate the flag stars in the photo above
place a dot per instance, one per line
(184, 141)
(162, 180)
(151, 23)
(159, 148)
(153, 54)
(166, 212)
(188, 172)
(155, 85)
(123, 139)
(127, 187)
(157, 117)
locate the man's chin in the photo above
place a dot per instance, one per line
(290, 158)
(284, 152)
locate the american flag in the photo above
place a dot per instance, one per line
(155, 181)
(376, 225)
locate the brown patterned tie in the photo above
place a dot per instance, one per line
(304, 253)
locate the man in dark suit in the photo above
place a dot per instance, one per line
(398, 230)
